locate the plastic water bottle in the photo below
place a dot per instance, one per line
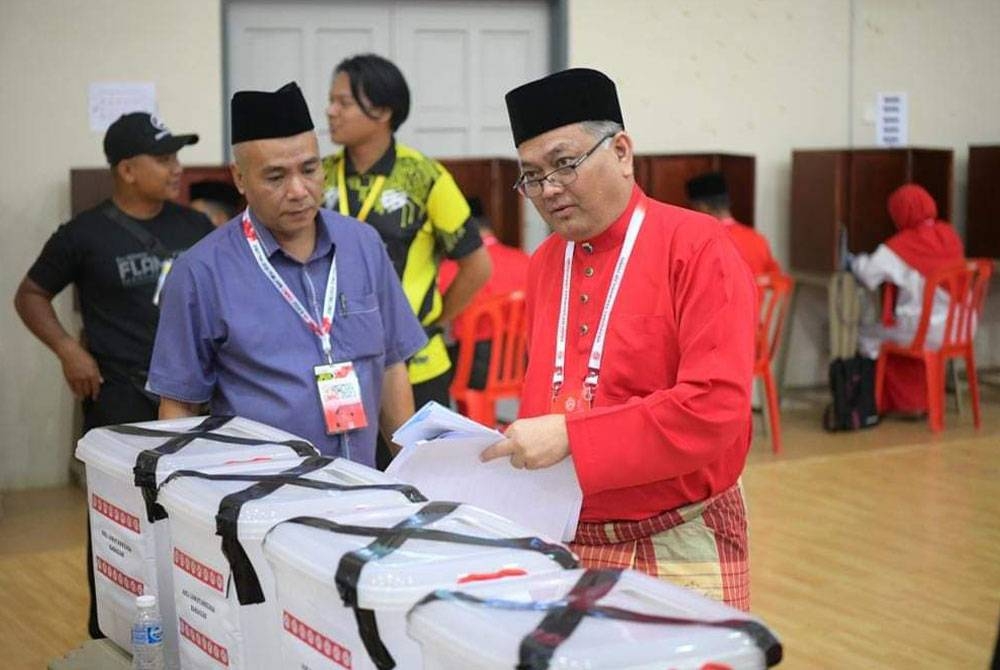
(147, 635)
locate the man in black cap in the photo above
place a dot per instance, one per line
(115, 254)
(290, 314)
(708, 193)
(640, 350)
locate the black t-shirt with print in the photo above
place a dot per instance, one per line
(115, 273)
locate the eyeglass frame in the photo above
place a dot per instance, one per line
(521, 185)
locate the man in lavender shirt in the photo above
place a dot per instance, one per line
(242, 324)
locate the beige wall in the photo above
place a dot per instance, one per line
(726, 75)
(50, 50)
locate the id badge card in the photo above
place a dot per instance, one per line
(165, 266)
(566, 402)
(340, 397)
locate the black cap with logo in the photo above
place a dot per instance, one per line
(141, 133)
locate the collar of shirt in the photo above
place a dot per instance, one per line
(614, 235)
(324, 239)
(382, 166)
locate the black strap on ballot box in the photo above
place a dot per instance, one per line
(248, 589)
(388, 540)
(564, 615)
(146, 462)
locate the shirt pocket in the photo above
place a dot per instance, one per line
(358, 329)
(639, 356)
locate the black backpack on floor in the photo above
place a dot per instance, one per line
(852, 384)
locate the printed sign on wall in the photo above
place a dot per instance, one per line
(892, 120)
(108, 100)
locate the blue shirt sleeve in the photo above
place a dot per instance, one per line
(183, 363)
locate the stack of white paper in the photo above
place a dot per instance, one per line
(440, 457)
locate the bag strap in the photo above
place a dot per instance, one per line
(150, 242)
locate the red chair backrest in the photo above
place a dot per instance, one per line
(964, 284)
(505, 317)
(774, 292)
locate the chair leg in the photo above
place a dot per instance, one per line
(880, 381)
(953, 364)
(970, 373)
(773, 410)
(935, 392)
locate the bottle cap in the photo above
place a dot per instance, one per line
(145, 601)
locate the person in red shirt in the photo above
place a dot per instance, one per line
(708, 193)
(641, 343)
(510, 274)
(922, 245)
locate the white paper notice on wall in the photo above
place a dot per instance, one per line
(891, 120)
(107, 100)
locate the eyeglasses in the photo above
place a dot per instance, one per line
(561, 176)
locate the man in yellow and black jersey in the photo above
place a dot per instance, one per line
(411, 200)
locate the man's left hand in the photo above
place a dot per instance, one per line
(533, 443)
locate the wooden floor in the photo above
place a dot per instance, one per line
(878, 549)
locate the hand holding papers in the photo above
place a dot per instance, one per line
(440, 456)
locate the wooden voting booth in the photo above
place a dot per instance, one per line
(89, 186)
(850, 187)
(490, 179)
(982, 228)
(663, 177)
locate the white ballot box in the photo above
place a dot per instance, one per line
(129, 537)
(223, 588)
(594, 619)
(344, 587)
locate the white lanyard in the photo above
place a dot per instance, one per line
(597, 351)
(322, 331)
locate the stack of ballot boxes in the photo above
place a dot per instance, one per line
(227, 612)
(266, 555)
(129, 535)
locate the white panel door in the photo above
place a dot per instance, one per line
(460, 63)
(459, 58)
(270, 44)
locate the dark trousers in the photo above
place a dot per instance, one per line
(120, 401)
(433, 389)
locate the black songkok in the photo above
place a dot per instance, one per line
(566, 97)
(706, 186)
(261, 115)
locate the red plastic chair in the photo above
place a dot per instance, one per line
(774, 292)
(965, 284)
(504, 314)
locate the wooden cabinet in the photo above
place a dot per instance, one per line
(982, 230)
(663, 176)
(850, 187)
